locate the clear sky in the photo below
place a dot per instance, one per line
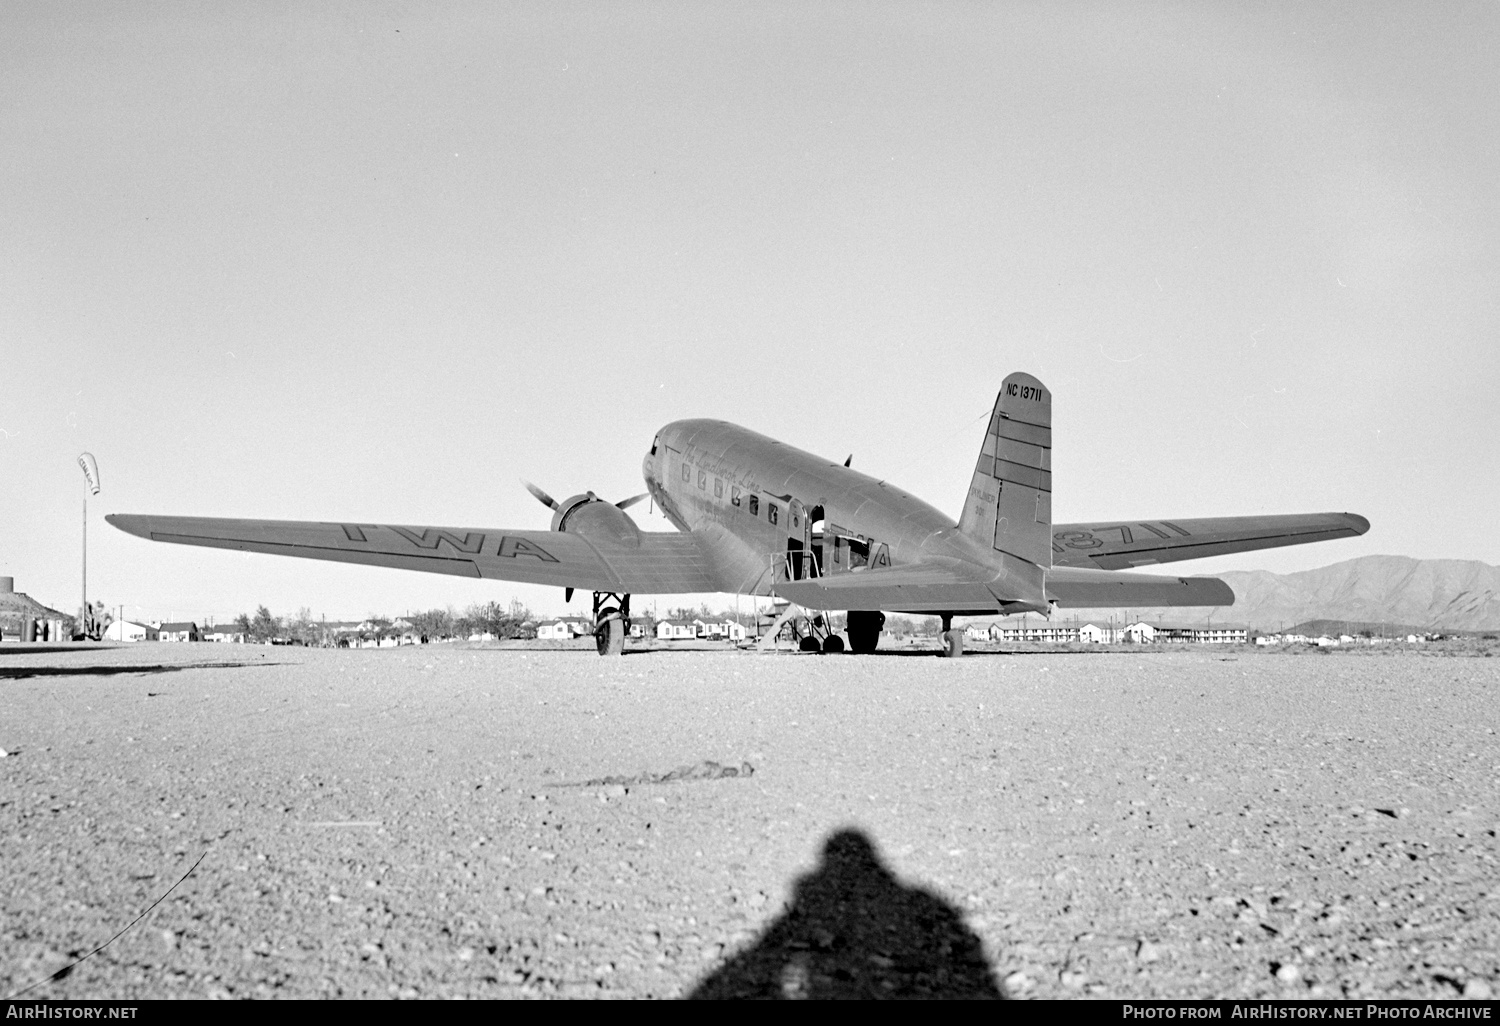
(377, 262)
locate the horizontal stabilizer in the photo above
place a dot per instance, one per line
(1076, 588)
(1122, 544)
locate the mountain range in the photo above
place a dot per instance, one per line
(1452, 594)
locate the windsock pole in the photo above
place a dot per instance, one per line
(90, 469)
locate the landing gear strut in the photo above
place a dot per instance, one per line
(611, 622)
(953, 641)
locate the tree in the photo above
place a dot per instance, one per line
(302, 628)
(433, 624)
(264, 627)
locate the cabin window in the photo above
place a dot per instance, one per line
(771, 512)
(687, 472)
(734, 495)
(859, 553)
(702, 479)
(755, 505)
(654, 443)
(718, 488)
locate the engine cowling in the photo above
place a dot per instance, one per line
(592, 517)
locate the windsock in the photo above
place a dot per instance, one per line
(90, 471)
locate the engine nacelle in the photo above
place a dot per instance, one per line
(592, 517)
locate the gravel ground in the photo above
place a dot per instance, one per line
(444, 822)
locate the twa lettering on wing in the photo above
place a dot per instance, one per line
(471, 543)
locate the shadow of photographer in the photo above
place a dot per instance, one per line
(854, 931)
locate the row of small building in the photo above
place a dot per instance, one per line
(1138, 633)
(356, 634)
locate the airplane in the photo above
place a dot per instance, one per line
(756, 516)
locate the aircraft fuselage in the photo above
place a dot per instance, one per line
(777, 513)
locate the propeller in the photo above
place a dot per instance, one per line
(541, 496)
(552, 504)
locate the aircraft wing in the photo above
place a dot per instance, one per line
(662, 563)
(1077, 588)
(1120, 545)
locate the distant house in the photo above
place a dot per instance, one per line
(1093, 634)
(1138, 633)
(734, 631)
(129, 630)
(224, 634)
(676, 629)
(564, 627)
(180, 630)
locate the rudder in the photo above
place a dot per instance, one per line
(1009, 507)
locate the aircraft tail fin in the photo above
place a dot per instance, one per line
(1009, 506)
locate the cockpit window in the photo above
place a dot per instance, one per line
(654, 443)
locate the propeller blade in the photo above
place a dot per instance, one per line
(627, 503)
(567, 594)
(541, 496)
(849, 460)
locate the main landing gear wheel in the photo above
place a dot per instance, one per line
(610, 636)
(953, 644)
(833, 645)
(611, 621)
(864, 631)
(809, 644)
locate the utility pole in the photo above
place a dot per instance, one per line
(91, 476)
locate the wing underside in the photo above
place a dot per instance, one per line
(1121, 545)
(662, 563)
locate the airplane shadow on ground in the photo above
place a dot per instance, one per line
(854, 931)
(22, 672)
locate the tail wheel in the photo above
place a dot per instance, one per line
(610, 636)
(953, 644)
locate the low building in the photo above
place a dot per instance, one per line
(179, 630)
(1042, 631)
(224, 634)
(563, 628)
(1138, 633)
(676, 629)
(129, 630)
(1094, 634)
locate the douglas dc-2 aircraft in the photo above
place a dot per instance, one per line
(759, 517)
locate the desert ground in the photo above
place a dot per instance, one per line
(465, 821)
